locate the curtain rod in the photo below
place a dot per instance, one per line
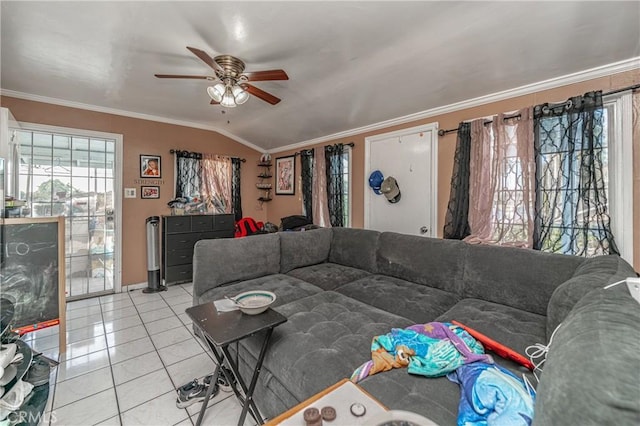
(443, 132)
(486, 123)
(173, 151)
(351, 144)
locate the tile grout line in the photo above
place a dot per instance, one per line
(110, 361)
(206, 351)
(161, 360)
(190, 417)
(53, 396)
(113, 380)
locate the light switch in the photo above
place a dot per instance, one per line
(129, 193)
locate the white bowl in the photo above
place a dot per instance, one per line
(255, 301)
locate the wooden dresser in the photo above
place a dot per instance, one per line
(180, 234)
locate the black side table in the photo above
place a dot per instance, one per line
(220, 329)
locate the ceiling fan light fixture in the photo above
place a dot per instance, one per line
(241, 96)
(216, 92)
(228, 100)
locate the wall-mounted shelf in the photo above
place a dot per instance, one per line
(264, 184)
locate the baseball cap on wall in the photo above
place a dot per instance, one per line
(375, 180)
(390, 189)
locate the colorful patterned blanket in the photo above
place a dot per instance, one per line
(432, 350)
(490, 394)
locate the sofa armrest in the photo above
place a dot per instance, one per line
(591, 372)
(226, 260)
(593, 273)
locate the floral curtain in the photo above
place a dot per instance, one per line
(319, 197)
(570, 145)
(217, 180)
(457, 218)
(502, 180)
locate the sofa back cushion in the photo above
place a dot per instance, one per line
(305, 248)
(355, 248)
(516, 277)
(225, 260)
(432, 262)
(593, 273)
(591, 372)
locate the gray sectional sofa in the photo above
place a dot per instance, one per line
(340, 287)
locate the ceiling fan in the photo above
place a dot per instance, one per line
(232, 87)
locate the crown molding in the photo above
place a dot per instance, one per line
(590, 74)
(552, 83)
(130, 114)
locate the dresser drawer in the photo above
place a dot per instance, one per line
(201, 223)
(175, 224)
(223, 222)
(216, 234)
(178, 273)
(181, 241)
(178, 257)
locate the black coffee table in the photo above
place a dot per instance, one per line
(220, 329)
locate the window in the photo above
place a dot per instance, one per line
(619, 171)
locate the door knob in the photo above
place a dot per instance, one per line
(424, 230)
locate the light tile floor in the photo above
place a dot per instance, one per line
(126, 354)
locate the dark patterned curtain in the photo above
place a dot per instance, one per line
(188, 173)
(335, 187)
(306, 161)
(236, 198)
(457, 218)
(571, 207)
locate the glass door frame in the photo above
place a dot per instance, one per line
(117, 259)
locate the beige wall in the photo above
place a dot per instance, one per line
(283, 206)
(145, 137)
(149, 137)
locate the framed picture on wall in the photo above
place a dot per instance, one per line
(286, 175)
(150, 191)
(150, 166)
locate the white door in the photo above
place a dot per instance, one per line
(410, 156)
(74, 173)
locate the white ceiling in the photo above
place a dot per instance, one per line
(350, 64)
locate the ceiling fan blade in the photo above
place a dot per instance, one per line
(266, 75)
(206, 59)
(197, 77)
(267, 97)
(214, 102)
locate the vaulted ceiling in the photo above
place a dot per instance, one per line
(350, 64)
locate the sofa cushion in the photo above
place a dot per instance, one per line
(298, 249)
(591, 374)
(217, 262)
(430, 261)
(593, 273)
(327, 336)
(328, 276)
(512, 327)
(416, 302)
(521, 278)
(355, 248)
(286, 288)
(435, 398)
